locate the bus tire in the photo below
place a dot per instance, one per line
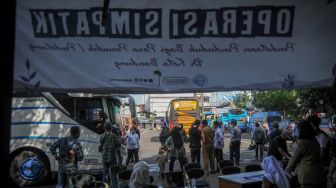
(29, 167)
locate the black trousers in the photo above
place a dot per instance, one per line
(260, 148)
(172, 161)
(131, 153)
(218, 156)
(195, 155)
(235, 152)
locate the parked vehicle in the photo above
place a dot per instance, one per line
(269, 117)
(239, 115)
(184, 111)
(38, 121)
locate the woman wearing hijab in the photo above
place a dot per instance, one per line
(140, 175)
(274, 175)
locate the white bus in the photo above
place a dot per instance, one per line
(39, 121)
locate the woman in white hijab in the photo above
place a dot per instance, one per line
(275, 176)
(140, 175)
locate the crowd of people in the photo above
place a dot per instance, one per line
(202, 140)
(307, 166)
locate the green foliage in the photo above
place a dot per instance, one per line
(318, 100)
(240, 100)
(284, 101)
(296, 103)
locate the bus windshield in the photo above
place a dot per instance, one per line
(184, 111)
(236, 111)
(185, 105)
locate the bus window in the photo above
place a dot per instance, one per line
(90, 114)
(114, 111)
(236, 111)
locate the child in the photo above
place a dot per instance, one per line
(162, 158)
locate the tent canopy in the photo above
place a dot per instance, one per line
(152, 46)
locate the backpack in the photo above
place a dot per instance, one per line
(259, 136)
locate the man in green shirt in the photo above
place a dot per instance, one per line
(108, 146)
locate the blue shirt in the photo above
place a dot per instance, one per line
(219, 139)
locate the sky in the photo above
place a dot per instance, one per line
(138, 98)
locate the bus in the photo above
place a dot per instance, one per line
(239, 115)
(224, 116)
(40, 120)
(269, 117)
(208, 116)
(184, 111)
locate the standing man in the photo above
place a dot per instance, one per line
(108, 147)
(275, 132)
(278, 147)
(70, 152)
(235, 142)
(182, 132)
(219, 143)
(295, 134)
(164, 134)
(208, 148)
(132, 141)
(116, 130)
(259, 139)
(322, 138)
(195, 142)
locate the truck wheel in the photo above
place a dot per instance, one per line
(29, 168)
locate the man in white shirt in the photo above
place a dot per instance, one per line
(322, 138)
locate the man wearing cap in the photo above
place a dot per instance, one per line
(235, 142)
(278, 146)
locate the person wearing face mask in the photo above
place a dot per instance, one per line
(132, 142)
(182, 132)
(69, 153)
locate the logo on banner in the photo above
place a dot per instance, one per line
(200, 80)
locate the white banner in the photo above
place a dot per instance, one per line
(173, 45)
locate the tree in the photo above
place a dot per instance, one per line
(241, 99)
(284, 101)
(318, 100)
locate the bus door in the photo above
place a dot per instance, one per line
(90, 114)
